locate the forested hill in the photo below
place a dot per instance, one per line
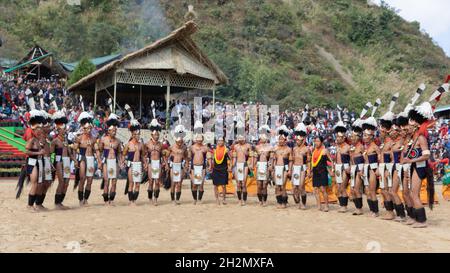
(289, 52)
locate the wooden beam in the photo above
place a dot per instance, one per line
(167, 101)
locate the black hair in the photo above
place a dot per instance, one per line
(61, 120)
(112, 122)
(357, 129)
(414, 115)
(284, 133)
(366, 126)
(340, 129)
(135, 127)
(300, 133)
(386, 123)
(320, 138)
(85, 120)
(401, 121)
(36, 120)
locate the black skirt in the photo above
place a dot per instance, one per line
(320, 179)
(320, 174)
(219, 173)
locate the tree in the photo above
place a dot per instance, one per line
(83, 68)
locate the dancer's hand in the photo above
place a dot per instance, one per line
(406, 160)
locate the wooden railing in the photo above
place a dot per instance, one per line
(9, 132)
(13, 140)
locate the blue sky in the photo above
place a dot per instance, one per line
(433, 16)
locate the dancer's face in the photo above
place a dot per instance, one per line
(300, 140)
(137, 135)
(39, 132)
(395, 132)
(112, 132)
(61, 128)
(317, 142)
(384, 131)
(179, 141)
(155, 136)
(220, 143)
(367, 137)
(355, 138)
(340, 138)
(281, 140)
(86, 129)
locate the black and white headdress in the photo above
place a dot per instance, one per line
(113, 121)
(300, 130)
(357, 124)
(36, 119)
(85, 119)
(340, 127)
(59, 117)
(387, 119)
(154, 124)
(425, 111)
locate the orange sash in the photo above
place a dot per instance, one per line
(316, 157)
(219, 154)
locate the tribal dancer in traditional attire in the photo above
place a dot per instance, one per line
(385, 158)
(420, 118)
(357, 161)
(112, 161)
(178, 162)
(397, 173)
(301, 158)
(199, 155)
(282, 161)
(34, 169)
(87, 147)
(371, 152)
(407, 132)
(48, 172)
(342, 164)
(134, 152)
(263, 150)
(156, 161)
(241, 153)
(63, 155)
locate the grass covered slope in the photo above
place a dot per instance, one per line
(287, 52)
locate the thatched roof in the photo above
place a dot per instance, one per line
(180, 36)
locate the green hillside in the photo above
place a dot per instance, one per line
(288, 52)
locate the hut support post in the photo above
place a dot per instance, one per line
(140, 101)
(167, 101)
(214, 100)
(115, 93)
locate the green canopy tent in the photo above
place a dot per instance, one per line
(38, 63)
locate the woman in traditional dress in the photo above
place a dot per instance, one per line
(219, 170)
(319, 172)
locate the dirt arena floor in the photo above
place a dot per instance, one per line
(206, 227)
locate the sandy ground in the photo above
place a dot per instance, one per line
(206, 227)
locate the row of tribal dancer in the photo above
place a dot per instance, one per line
(396, 160)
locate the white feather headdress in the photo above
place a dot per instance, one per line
(419, 92)
(442, 89)
(389, 115)
(365, 110)
(375, 107)
(425, 110)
